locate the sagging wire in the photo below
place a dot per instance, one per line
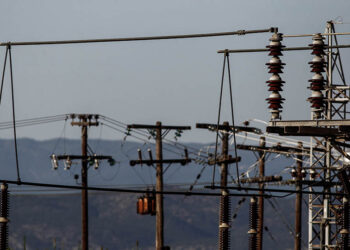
(32, 121)
(218, 121)
(3, 73)
(232, 114)
(59, 139)
(128, 133)
(283, 219)
(14, 113)
(237, 208)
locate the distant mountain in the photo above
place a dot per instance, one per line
(190, 222)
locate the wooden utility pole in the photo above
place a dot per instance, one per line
(84, 121)
(224, 237)
(260, 225)
(158, 128)
(298, 198)
(159, 187)
(225, 159)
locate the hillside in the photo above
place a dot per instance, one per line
(190, 222)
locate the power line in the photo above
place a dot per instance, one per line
(120, 190)
(145, 38)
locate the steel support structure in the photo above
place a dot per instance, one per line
(325, 211)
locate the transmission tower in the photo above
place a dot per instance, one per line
(328, 129)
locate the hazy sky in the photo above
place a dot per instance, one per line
(174, 81)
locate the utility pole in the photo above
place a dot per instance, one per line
(260, 225)
(225, 159)
(298, 198)
(84, 121)
(84, 181)
(224, 233)
(159, 128)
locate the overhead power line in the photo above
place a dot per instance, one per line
(144, 38)
(121, 190)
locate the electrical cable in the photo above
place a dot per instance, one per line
(232, 114)
(125, 190)
(14, 114)
(147, 38)
(3, 73)
(218, 122)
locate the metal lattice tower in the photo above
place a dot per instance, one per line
(328, 212)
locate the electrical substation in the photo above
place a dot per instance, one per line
(319, 146)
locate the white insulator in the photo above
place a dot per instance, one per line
(275, 43)
(275, 95)
(67, 164)
(317, 59)
(275, 114)
(275, 60)
(97, 163)
(317, 76)
(316, 94)
(275, 77)
(276, 37)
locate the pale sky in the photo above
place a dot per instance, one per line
(174, 81)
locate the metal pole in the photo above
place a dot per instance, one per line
(326, 201)
(159, 188)
(298, 197)
(84, 184)
(260, 227)
(224, 233)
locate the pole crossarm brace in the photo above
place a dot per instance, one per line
(166, 161)
(145, 38)
(231, 51)
(143, 126)
(215, 127)
(279, 149)
(80, 157)
(221, 159)
(264, 179)
(87, 120)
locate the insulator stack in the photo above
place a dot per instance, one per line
(317, 82)
(225, 208)
(4, 217)
(253, 223)
(275, 82)
(345, 225)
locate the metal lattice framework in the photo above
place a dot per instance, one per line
(326, 228)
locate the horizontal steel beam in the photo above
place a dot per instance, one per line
(229, 51)
(310, 123)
